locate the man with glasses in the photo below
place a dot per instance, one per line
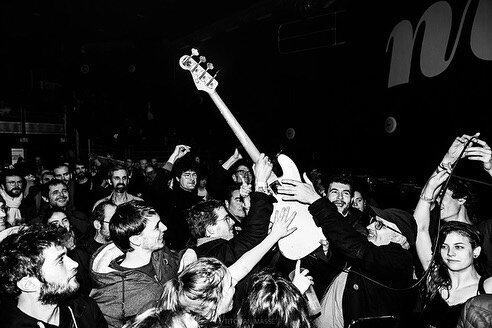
(11, 192)
(212, 226)
(380, 266)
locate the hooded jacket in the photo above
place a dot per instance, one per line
(123, 294)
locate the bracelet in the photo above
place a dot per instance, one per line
(427, 200)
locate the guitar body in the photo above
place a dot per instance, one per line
(306, 238)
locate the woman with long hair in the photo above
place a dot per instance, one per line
(453, 274)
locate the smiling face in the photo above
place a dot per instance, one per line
(58, 195)
(339, 194)
(58, 275)
(457, 252)
(384, 235)
(152, 237)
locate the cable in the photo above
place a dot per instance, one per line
(441, 197)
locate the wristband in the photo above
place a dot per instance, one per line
(425, 199)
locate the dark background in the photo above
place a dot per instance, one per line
(276, 71)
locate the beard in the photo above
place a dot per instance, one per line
(54, 293)
(14, 192)
(120, 188)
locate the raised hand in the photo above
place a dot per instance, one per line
(298, 191)
(262, 169)
(281, 222)
(480, 151)
(179, 151)
(456, 148)
(301, 280)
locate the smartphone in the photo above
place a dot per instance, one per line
(387, 321)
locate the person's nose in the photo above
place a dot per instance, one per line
(72, 264)
(162, 227)
(451, 252)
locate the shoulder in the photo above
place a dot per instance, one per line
(487, 285)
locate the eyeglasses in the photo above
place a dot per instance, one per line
(245, 172)
(13, 183)
(378, 224)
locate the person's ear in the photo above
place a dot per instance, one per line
(209, 231)
(462, 200)
(97, 225)
(477, 251)
(135, 240)
(29, 284)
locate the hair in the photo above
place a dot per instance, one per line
(98, 212)
(202, 215)
(340, 178)
(45, 190)
(438, 276)
(273, 301)
(129, 220)
(49, 213)
(115, 168)
(198, 290)
(229, 190)
(62, 164)
(11, 173)
(462, 189)
(161, 318)
(21, 255)
(186, 163)
(241, 162)
(46, 172)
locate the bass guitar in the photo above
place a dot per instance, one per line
(307, 237)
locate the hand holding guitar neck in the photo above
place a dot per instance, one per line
(305, 239)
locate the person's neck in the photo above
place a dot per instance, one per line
(120, 196)
(30, 305)
(460, 216)
(136, 258)
(463, 278)
(100, 238)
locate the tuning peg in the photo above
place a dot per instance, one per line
(209, 67)
(194, 52)
(212, 78)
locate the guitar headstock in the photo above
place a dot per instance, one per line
(203, 79)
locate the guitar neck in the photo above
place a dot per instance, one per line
(236, 128)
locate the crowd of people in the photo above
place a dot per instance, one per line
(118, 243)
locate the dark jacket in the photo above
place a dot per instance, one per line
(123, 294)
(85, 311)
(390, 265)
(476, 312)
(254, 230)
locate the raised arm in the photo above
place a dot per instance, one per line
(422, 212)
(280, 229)
(480, 151)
